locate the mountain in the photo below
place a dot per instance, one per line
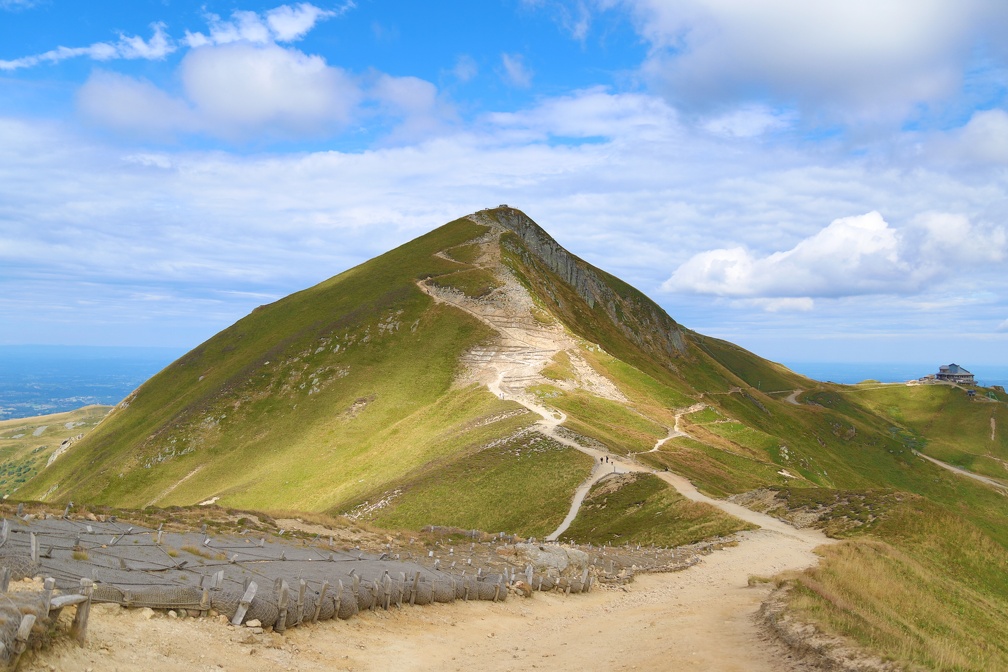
(473, 378)
(344, 391)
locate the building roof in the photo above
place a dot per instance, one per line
(955, 370)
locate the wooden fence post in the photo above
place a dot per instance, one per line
(413, 590)
(281, 623)
(300, 602)
(243, 606)
(318, 603)
(78, 629)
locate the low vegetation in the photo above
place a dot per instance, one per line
(642, 509)
(927, 589)
(522, 485)
(26, 444)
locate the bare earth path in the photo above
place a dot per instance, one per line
(963, 472)
(698, 619)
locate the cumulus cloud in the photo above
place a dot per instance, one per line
(515, 72)
(127, 47)
(239, 90)
(847, 59)
(133, 106)
(229, 91)
(285, 23)
(852, 256)
(983, 140)
(247, 87)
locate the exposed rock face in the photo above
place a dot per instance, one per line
(639, 318)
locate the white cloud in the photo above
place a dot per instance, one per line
(573, 16)
(238, 88)
(982, 141)
(515, 72)
(802, 304)
(748, 121)
(15, 5)
(465, 68)
(127, 47)
(845, 59)
(285, 23)
(292, 23)
(1003, 326)
(590, 113)
(133, 106)
(852, 256)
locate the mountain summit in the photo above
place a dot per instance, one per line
(372, 389)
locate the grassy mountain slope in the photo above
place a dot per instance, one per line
(305, 403)
(365, 394)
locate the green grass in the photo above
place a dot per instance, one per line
(756, 372)
(612, 423)
(714, 471)
(263, 414)
(475, 282)
(929, 590)
(643, 509)
(27, 443)
(522, 486)
(559, 368)
(466, 254)
(955, 429)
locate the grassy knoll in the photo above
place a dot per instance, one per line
(522, 485)
(715, 471)
(27, 443)
(928, 588)
(972, 434)
(656, 399)
(643, 509)
(614, 424)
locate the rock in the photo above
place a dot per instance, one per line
(254, 623)
(182, 613)
(545, 558)
(523, 588)
(172, 613)
(146, 613)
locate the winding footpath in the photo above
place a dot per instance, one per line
(708, 609)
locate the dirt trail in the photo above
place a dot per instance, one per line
(962, 472)
(698, 619)
(171, 488)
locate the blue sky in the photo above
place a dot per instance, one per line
(815, 181)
